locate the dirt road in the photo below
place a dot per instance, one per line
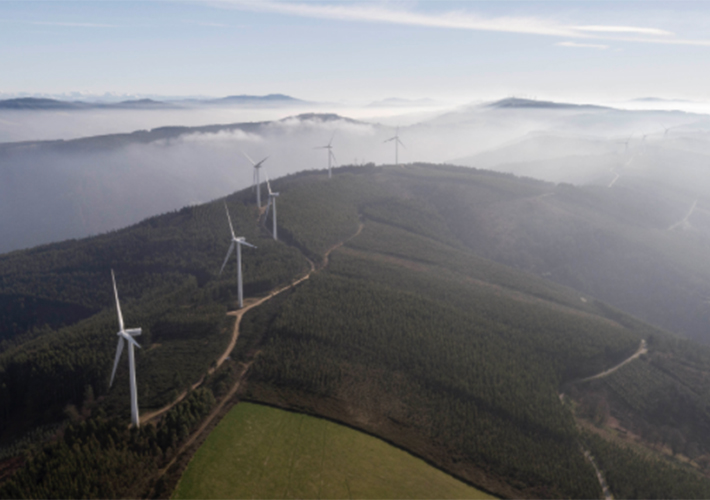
(239, 314)
(641, 350)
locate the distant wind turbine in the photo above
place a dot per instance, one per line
(257, 182)
(238, 242)
(272, 201)
(127, 336)
(627, 143)
(397, 143)
(331, 156)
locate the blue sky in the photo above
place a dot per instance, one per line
(359, 51)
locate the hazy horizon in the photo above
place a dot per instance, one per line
(356, 52)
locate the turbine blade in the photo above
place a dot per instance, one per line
(268, 184)
(257, 165)
(231, 228)
(133, 332)
(118, 305)
(331, 139)
(390, 139)
(333, 156)
(400, 143)
(248, 158)
(229, 252)
(268, 206)
(243, 242)
(119, 350)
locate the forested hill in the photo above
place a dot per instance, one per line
(410, 330)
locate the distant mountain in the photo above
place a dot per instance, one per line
(323, 117)
(514, 102)
(657, 99)
(41, 103)
(256, 100)
(104, 143)
(140, 104)
(37, 103)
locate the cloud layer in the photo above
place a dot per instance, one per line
(460, 19)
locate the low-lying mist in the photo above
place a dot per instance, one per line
(73, 188)
(45, 125)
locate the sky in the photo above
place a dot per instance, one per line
(358, 51)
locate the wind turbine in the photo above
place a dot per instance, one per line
(257, 182)
(272, 201)
(127, 336)
(238, 242)
(331, 156)
(397, 143)
(627, 143)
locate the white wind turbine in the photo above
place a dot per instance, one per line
(238, 242)
(331, 156)
(257, 181)
(272, 201)
(397, 143)
(126, 335)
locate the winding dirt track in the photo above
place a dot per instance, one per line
(587, 454)
(239, 314)
(641, 350)
(250, 304)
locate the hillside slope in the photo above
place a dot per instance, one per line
(408, 330)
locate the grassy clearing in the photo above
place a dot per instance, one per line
(263, 452)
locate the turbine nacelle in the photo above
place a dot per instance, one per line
(129, 334)
(242, 241)
(255, 164)
(329, 146)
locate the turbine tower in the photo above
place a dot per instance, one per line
(397, 143)
(272, 201)
(127, 336)
(257, 181)
(238, 242)
(331, 156)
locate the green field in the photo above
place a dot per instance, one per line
(263, 452)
